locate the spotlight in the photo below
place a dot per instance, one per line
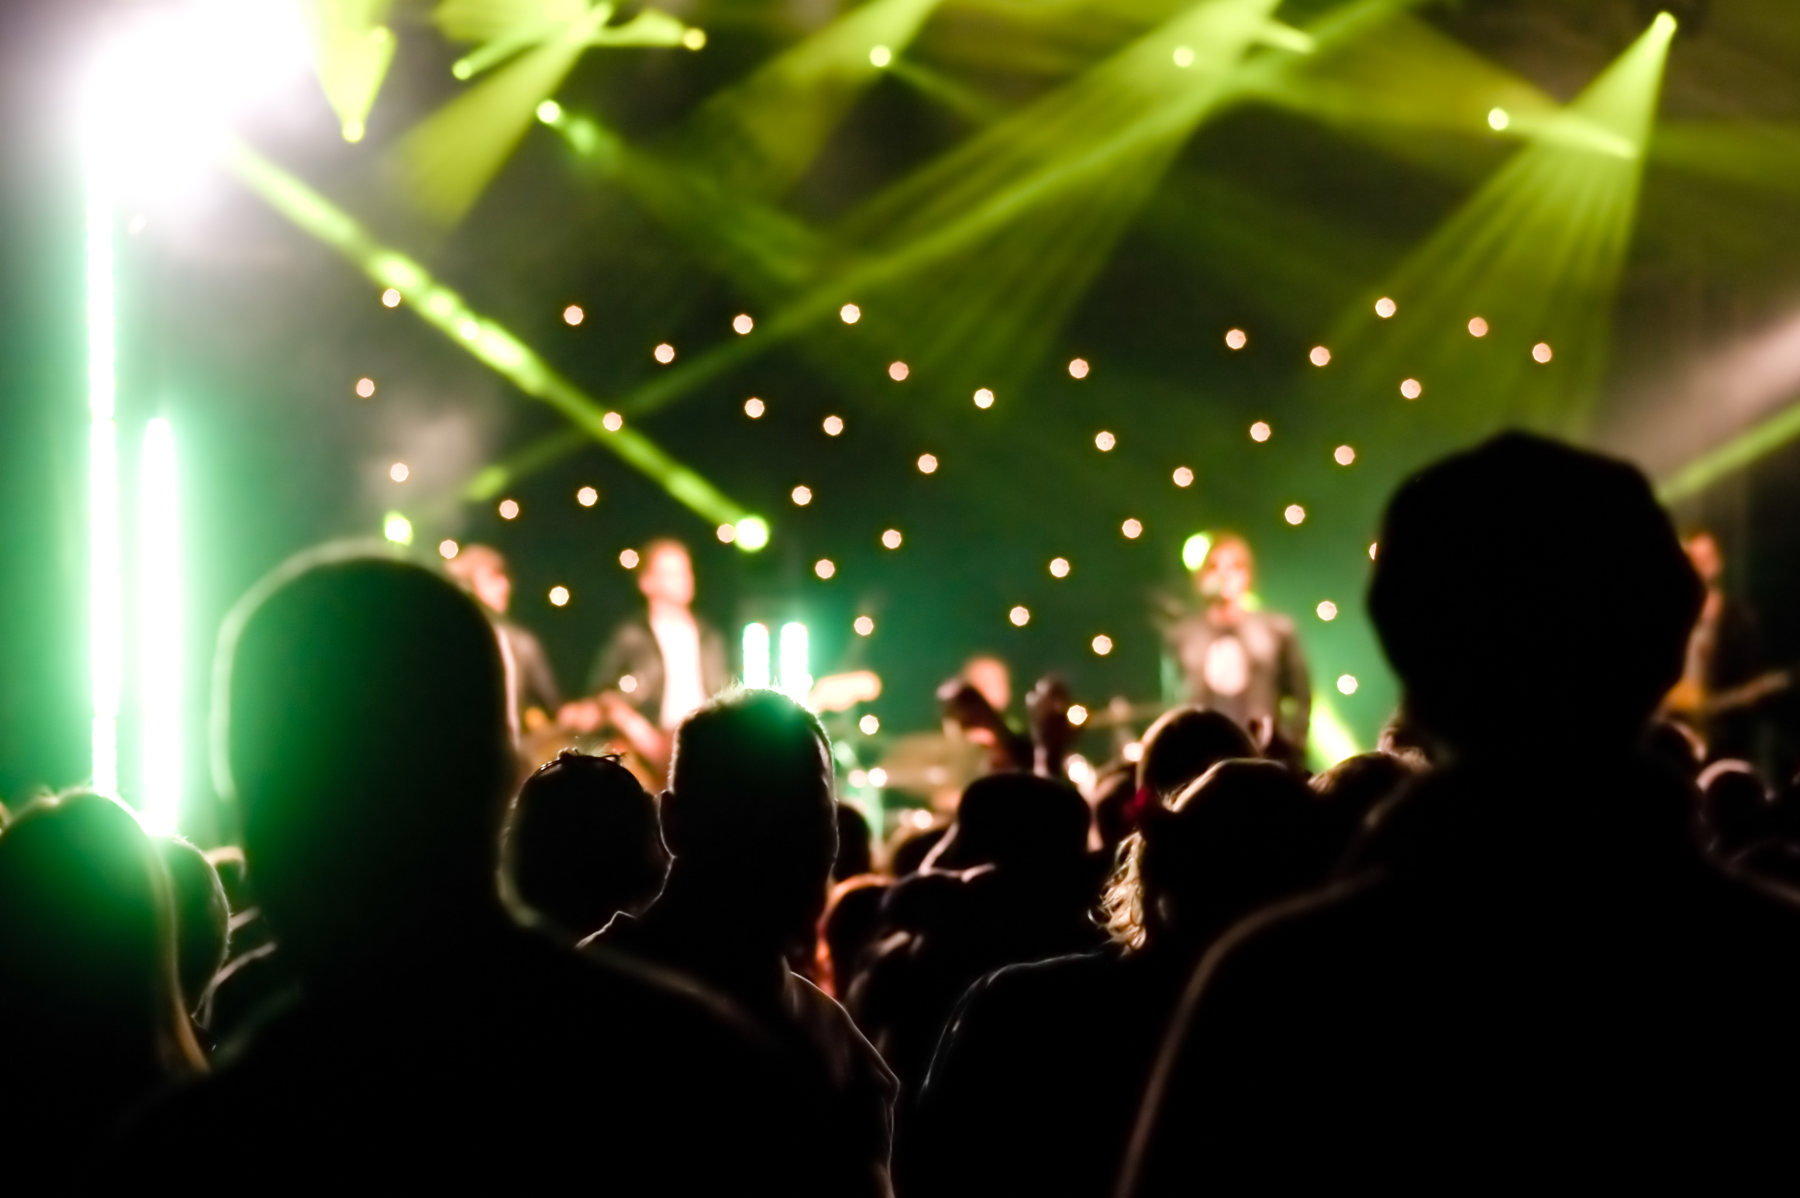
(752, 533)
(1183, 57)
(397, 528)
(549, 112)
(1498, 119)
(880, 56)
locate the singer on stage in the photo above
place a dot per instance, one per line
(1238, 660)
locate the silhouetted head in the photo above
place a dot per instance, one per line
(1113, 797)
(1527, 576)
(481, 570)
(912, 843)
(582, 843)
(856, 847)
(363, 726)
(1240, 837)
(852, 919)
(1355, 786)
(1736, 808)
(1186, 742)
(87, 942)
(202, 916)
(1017, 822)
(749, 811)
(665, 573)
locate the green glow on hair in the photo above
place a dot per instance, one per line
(160, 623)
(490, 344)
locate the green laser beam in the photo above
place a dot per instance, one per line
(490, 344)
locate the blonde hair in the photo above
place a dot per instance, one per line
(1122, 914)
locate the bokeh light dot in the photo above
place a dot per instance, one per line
(1326, 611)
(1259, 431)
(448, 549)
(664, 353)
(1183, 477)
(365, 387)
(1183, 57)
(1320, 356)
(898, 371)
(864, 625)
(1477, 327)
(1385, 307)
(741, 323)
(1295, 514)
(1132, 528)
(612, 422)
(928, 463)
(1346, 684)
(1104, 441)
(399, 472)
(559, 596)
(984, 398)
(869, 725)
(891, 539)
(1077, 714)
(824, 567)
(1059, 567)
(801, 496)
(753, 408)
(1541, 352)
(880, 56)
(390, 298)
(1020, 616)
(1343, 455)
(1410, 388)
(833, 425)
(587, 496)
(727, 533)
(573, 315)
(509, 509)
(849, 313)
(1102, 644)
(1236, 339)
(628, 558)
(1078, 368)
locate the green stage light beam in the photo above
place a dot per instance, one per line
(1711, 467)
(352, 50)
(1328, 739)
(105, 607)
(758, 136)
(498, 349)
(796, 666)
(446, 161)
(1536, 253)
(503, 28)
(161, 655)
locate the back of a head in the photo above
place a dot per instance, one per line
(1184, 743)
(87, 948)
(1736, 807)
(362, 725)
(1241, 836)
(856, 847)
(202, 915)
(1525, 575)
(750, 790)
(1019, 823)
(1355, 786)
(582, 843)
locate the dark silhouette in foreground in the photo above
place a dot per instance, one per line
(1033, 1088)
(365, 735)
(1533, 970)
(750, 821)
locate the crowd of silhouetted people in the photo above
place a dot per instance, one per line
(1539, 936)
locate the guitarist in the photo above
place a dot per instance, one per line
(1723, 654)
(657, 667)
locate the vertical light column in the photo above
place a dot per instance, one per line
(795, 680)
(756, 655)
(104, 636)
(160, 660)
